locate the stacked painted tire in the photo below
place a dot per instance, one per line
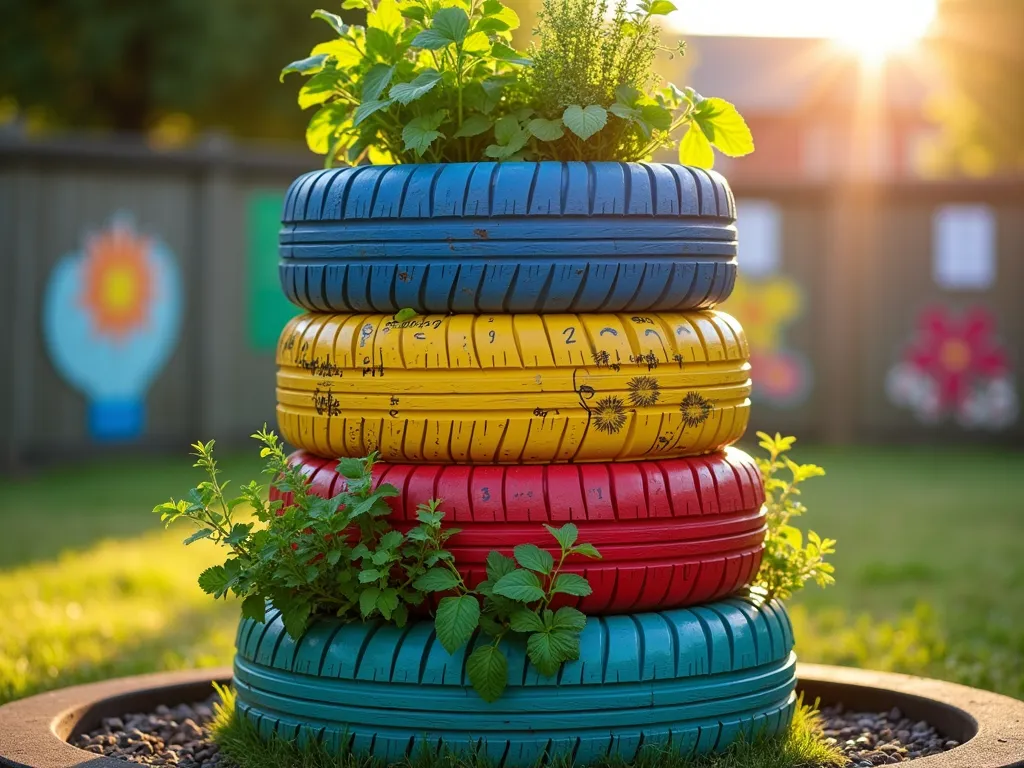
(565, 364)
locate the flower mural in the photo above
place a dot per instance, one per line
(954, 366)
(765, 308)
(111, 318)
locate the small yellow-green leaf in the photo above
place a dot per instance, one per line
(725, 127)
(695, 149)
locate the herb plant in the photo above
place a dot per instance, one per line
(433, 81)
(340, 556)
(593, 76)
(788, 562)
(424, 81)
(516, 598)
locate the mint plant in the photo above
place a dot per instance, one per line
(516, 597)
(424, 81)
(309, 556)
(788, 562)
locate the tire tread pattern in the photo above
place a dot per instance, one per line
(693, 679)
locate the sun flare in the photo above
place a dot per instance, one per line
(881, 28)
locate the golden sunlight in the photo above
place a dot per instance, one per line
(873, 29)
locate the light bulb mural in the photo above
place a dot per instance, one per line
(111, 318)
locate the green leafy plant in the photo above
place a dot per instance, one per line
(340, 556)
(789, 562)
(433, 81)
(423, 81)
(335, 556)
(515, 598)
(597, 96)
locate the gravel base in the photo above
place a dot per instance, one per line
(178, 736)
(181, 737)
(881, 738)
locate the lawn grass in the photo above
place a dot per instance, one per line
(930, 572)
(802, 746)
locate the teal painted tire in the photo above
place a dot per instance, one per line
(690, 680)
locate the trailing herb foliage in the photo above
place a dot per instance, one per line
(788, 562)
(515, 598)
(437, 81)
(341, 557)
(424, 81)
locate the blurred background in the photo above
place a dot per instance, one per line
(144, 154)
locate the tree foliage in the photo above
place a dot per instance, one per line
(123, 64)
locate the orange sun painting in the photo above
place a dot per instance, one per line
(117, 281)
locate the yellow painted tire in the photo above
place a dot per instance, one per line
(513, 389)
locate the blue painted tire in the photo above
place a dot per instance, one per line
(690, 680)
(509, 238)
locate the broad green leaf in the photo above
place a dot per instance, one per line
(534, 558)
(457, 618)
(404, 93)
(627, 95)
(308, 66)
(380, 45)
(324, 126)
(406, 313)
(319, 88)
(623, 111)
(376, 79)
(451, 23)
(414, 12)
(585, 122)
(214, 580)
(526, 621)
(333, 556)
(333, 19)
(505, 53)
(420, 133)
(571, 584)
(387, 602)
(478, 42)
(473, 125)
(724, 127)
(661, 8)
(202, 533)
(569, 619)
(487, 668)
(436, 580)
(521, 585)
(368, 601)
(548, 650)
(366, 109)
(369, 576)
(391, 540)
(695, 149)
(386, 18)
(499, 565)
(546, 130)
(656, 116)
(587, 550)
(342, 50)
(565, 536)
(254, 607)
(295, 617)
(238, 533)
(431, 40)
(505, 129)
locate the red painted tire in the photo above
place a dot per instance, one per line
(672, 533)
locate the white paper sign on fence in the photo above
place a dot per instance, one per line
(964, 247)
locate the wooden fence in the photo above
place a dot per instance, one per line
(845, 277)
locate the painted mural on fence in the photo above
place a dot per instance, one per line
(955, 368)
(765, 308)
(111, 318)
